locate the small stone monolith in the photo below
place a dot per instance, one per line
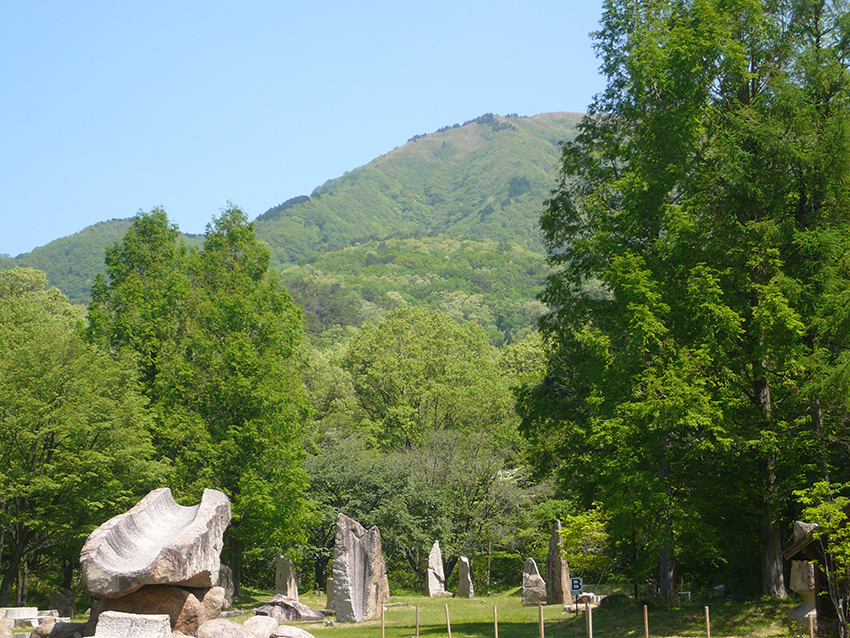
(533, 586)
(436, 574)
(557, 570)
(464, 583)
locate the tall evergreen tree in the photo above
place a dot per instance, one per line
(700, 232)
(218, 340)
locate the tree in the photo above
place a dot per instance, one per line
(695, 230)
(218, 339)
(420, 371)
(74, 445)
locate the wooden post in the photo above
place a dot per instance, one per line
(540, 619)
(449, 624)
(417, 621)
(811, 626)
(496, 620)
(383, 633)
(645, 622)
(589, 611)
(707, 624)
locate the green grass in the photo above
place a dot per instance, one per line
(474, 619)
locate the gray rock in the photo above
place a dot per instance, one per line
(283, 609)
(285, 578)
(329, 604)
(117, 624)
(225, 581)
(436, 574)
(465, 588)
(221, 628)
(288, 631)
(533, 586)
(57, 629)
(186, 609)
(557, 570)
(157, 542)
(261, 626)
(359, 572)
(63, 601)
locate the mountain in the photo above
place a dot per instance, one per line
(486, 179)
(448, 219)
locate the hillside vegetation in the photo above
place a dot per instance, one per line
(483, 180)
(487, 178)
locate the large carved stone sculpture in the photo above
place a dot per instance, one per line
(557, 570)
(436, 575)
(285, 578)
(157, 542)
(533, 586)
(116, 624)
(464, 583)
(359, 573)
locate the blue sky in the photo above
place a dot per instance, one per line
(111, 107)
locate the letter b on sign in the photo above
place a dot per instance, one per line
(576, 586)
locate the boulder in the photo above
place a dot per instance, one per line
(359, 572)
(557, 570)
(5, 629)
(285, 578)
(533, 586)
(436, 575)
(58, 629)
(283, 608)
(116, 624)
(261, 626)
(186, 610)
(157, 542)
(288, 631)
(222, 628)
(465, 588)
(64, 602)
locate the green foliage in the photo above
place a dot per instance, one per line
(420, 371)
(218, 343)
(699, 238)
(74, 445)
(493, 285)
(828, 508)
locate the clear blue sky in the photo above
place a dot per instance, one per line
(110, 107)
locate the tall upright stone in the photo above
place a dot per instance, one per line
(557, 570)
(436, 574)
(464, 583)
(285, 578)
(359, 572)
(533, 586)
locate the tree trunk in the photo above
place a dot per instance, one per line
(667, 567)
(10, 576)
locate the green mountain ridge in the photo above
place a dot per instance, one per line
(485, 181)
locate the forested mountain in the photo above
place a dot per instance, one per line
(485, 179)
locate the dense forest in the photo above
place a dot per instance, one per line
(684, 400)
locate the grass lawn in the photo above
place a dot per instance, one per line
(474, 619)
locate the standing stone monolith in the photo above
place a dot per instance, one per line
(533, 586)
(285, 578)
(359, 572)
(557, 570)
(802, 581)
(464, 583)
(436, 575)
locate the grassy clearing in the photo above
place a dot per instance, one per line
(474, 619)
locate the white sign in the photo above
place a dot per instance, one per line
(576, 586)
